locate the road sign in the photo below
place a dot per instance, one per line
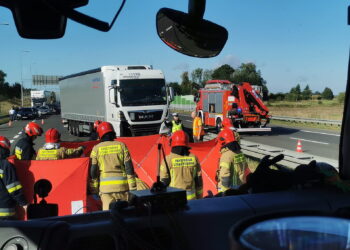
(45, 80)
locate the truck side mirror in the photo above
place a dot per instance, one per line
(196, 97)
(114, 83)
(113, 99)
(171, 94)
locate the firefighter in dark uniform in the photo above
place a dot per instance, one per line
(11, 193)
(184, 167)
(111, 164)
(24, 149)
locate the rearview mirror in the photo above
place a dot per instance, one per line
(38, 20)
(197, 38)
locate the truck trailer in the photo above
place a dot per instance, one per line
(134, 99)
(39, 97)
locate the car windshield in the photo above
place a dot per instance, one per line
(142, 92)
(279, 83)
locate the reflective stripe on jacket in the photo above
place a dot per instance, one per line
(116, 172)
(231, 172)
(185, 173)
(11, 191)
(57, 154)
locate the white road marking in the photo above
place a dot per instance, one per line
(319, 142)
(20, 132)
(65, 126)
(11, 141)
(321, 133)
(16, 136)
(188, 120)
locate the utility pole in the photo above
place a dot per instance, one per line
(22, 52)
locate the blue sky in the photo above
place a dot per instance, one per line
(298, 41)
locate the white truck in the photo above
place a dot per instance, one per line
(39, 97)
(134, 99)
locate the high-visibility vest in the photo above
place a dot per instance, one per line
(176, 127)
(196, 122)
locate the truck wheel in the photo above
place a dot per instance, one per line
(218, 125)
(70, 127)
(78, 130)
(75, 132)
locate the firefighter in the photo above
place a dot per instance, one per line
(227, 123)
(233, 166)
(111, 163)
(24, 149)
(52, 149)
(94, 135)
(11, 193)
(184, 167)
(198, 129)
(175, 124)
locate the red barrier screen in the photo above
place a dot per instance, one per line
(68, 179)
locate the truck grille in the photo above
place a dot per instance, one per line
(145, 115)
(145, 129)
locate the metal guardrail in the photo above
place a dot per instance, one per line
(307, 120)
(291, 159)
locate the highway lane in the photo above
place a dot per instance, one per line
(314, 141)
(54, 121)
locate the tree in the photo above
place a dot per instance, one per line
(224, 72)
(307, 93)
(197, 76)
(186, 85)
(247, 73)
(327, 94)
(294, 94)
(207, 75)
(176, 87)
(341, 97)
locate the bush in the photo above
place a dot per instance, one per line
(341, 97)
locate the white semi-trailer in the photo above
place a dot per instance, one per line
(134, 99)
(39, 97)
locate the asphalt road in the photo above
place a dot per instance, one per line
(318, 142)
(13, 132)
(314, 141)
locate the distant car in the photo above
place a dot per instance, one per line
(43, 111)
(26, 113)
(54, 108)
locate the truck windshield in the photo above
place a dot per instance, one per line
(137, 92)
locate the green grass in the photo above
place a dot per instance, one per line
(325, 109)
(305, 125)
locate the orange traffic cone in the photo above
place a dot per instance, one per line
(299, 147)
(10, 123)
(42, 121)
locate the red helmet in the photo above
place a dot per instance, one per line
(33, 129)
(227, 123)
(52, 136)
(96, 123)
(179, 138)
(104, 128)
(4, 142)
(226, 136)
